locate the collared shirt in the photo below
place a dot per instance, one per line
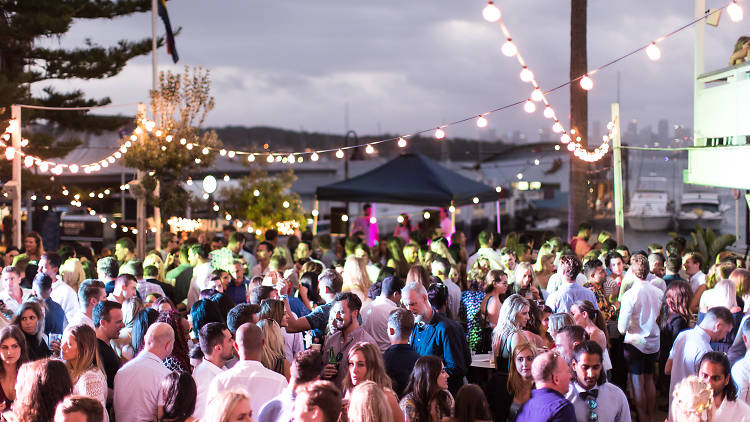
(639, 311)
(658, 283)
(293, 344)
(454, 297)
(602, 300)
(399, 361)
(260, 382)
(146, 288)
(341, 348)
(54, 320)
(669, 278)
(198, 283)
(490, 255)
(11, 304)
(66, 297)
(734, 411)
(557, 280)
(562, 299)
(611, 403)
(280, 409)
(547, 405)
(82, 318)
(375, 321)
(137, 388)
(687, 351)
(741, 377)
(698, 279)
(203, 374)
(445, 339)
(737, 350)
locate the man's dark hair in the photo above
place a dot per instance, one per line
(590, 266)
(150, 271)
(721, 313)
(200, 250)
(609, 245)
(89, 289)
(236, 237)
(267, 244)
(730, 391)
(484, 238)
(43, 283)
(331, 279)
(673, 264)
(260, 293)
(325, 396)
(184, 248)
(610, 256)
(391, 285)
(90, 407)
(639, 266)
(574, 333)
(102, 310)
(126, 243)
(52, 258)
(134, 268)
(271, 235)
(592, 348)
(570, 266)
(203, 312)
(437, 294)
(108, 266)
(124, 279)
(210, 335)
(352, 300)
(66, 251)
(325, 241)
(306, 366)
(241, 314)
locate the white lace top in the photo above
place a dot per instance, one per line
(93, 383)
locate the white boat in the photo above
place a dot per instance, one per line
(700, 209)
(650, 206)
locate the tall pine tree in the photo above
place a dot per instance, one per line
(26, 60)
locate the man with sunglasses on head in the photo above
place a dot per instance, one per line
(593, 397)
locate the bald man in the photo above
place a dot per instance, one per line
(138, 382)
(261, 383)
(552, 378)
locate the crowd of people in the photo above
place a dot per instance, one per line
(407, 327)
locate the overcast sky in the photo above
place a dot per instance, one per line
(403, 66)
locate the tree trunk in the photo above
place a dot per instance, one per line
(578, 196)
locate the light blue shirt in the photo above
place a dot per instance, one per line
(567, 294)
(612, 405)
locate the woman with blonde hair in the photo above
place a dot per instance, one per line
(229, 406)
(81, 356)
(71, 272)
(741, 278)
(154, 259)
(275, 310)
(356, 279)
(513, 316)
(525, 281)
(366, 365)
(368, 403)
(544, 266)
(691, 401)
(34, 246)
(130, 308)
(272, 356)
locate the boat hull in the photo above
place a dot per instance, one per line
(689, 224)
(649, 223)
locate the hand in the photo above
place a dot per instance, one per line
(329, 371)
(55, 346)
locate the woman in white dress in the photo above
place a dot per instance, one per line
(82, 359)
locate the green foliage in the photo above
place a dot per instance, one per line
(708, 244)
(180, 105)
(27, 57)
(266, 209)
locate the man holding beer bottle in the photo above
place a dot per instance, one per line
(347, 332)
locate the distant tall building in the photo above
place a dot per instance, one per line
(596, 133)
(662, 130)
(630, 136)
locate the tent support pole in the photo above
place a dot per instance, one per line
(453, 218)
(497, 214)
(315, 219)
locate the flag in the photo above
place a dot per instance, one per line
(171, 49)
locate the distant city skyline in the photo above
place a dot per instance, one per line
(402, 67)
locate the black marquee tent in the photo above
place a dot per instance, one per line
(409, 179)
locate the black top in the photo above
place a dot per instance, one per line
(399, 362)
(168, 289)
(37, 347)
(110, 361)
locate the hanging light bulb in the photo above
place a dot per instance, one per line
(190, 181)
(565, 138)
(43, 167)
(226, 177)
(735, 12)
(28, 161)
(314, 156)
(205, 151)
(340, 153)
(526, 74)
(251, 158)
(557, 127)
(269, 158)
(256, 192)
(231, 154)
(285, 204)
(571, 146)
(369, 149)
(529, 106)
(10, 152)
(491, 13)
(653, 52)
(586, 83)
(216, 207)
(300, 159)
(57, 170)
(439, 133)
(509, 48)
(548, 112)
(290, 159)
(537, 95)
(475, 200)
(481, 121)
(168, 138)
(158, 133)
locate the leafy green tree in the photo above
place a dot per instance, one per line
(265, 200)
(172, 146)
(25, 60)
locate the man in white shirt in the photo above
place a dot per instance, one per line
(90, 293)
(125, 288)
(441, 268)
(485, 251)
(62, 293)
(138, 382)
(135, 268)
(375, 318)
(306, 368)
(692, 261)
(198, 258)
(741, 368)
(13, 295)
(690, 345)
(590, 392)
(263, 255)
(261, 383)
(216, 344)
(726, 406)
(639, 311)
